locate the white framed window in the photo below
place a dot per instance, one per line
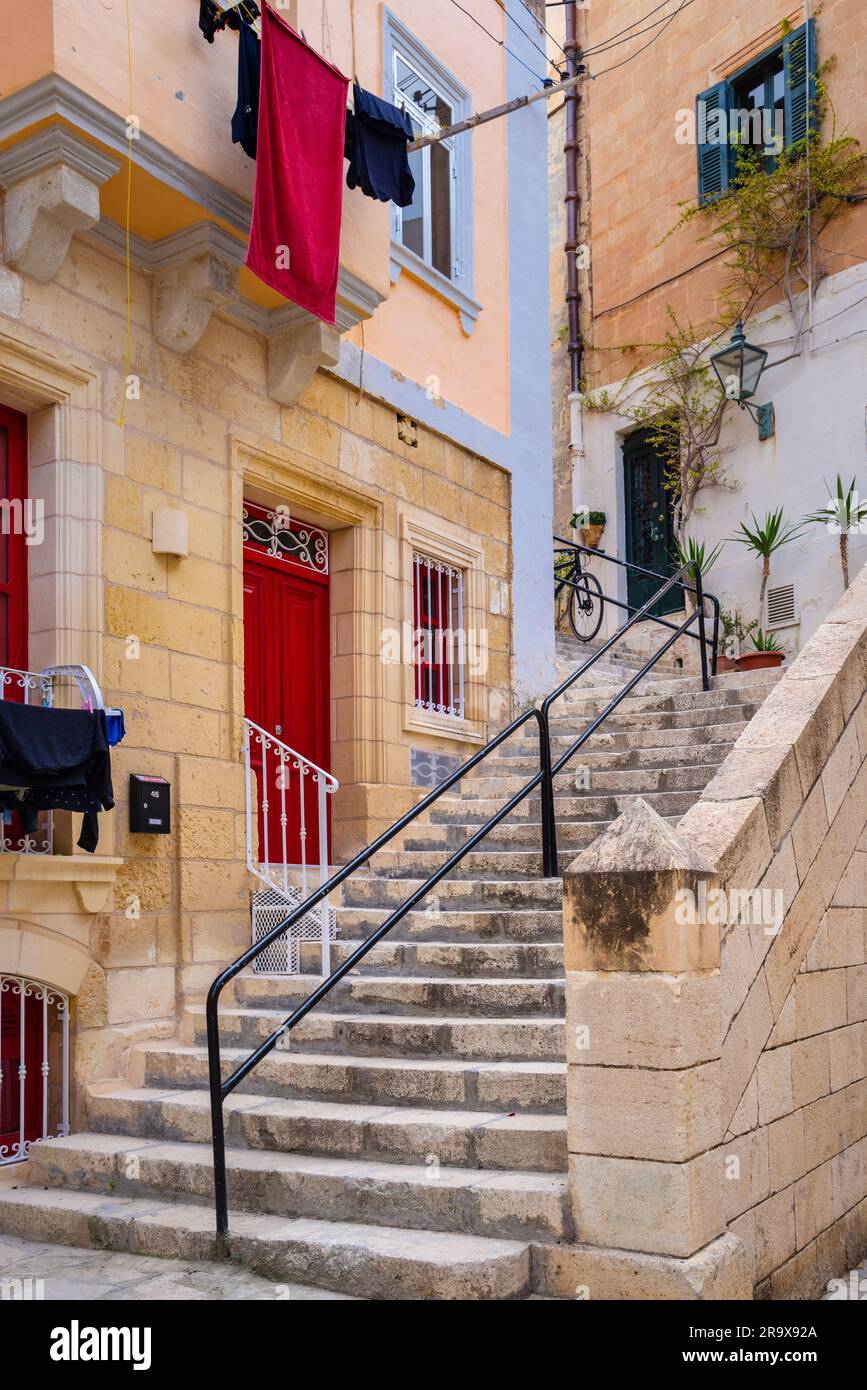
(427, 227)
(433, 237)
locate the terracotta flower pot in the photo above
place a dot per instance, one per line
(760, 661)
(725, 663)
(591, 535)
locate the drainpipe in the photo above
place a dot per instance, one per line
(572, 51)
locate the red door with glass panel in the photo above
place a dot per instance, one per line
(286, 669)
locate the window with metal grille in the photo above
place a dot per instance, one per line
(438, 608)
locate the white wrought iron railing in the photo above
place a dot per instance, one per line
(34, 1065)
(43, 688)
(278, 781)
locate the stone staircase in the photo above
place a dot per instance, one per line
(410, 1142)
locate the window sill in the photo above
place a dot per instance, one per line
(420, 721)
(402, 258)
(89, 877)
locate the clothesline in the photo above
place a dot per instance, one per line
(480, 118)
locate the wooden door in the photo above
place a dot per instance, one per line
(286, 644)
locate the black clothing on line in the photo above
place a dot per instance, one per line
(376, 139)
(60, 759)
(245, 121)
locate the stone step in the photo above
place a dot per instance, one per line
(439, 923)
(424, 839)
(479, 865)
(420, 1196)
(401, 995)
(575, 832)
(576, 702)
(385, 1035)
(396, 1134)
(381, 1262)
(610, 756)
(462, 959)
(442, 1083)
(647, 720)
(627, 781)
(465, 893)
(591, 807)
(678, 736)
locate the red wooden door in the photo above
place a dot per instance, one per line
(10, 1060)
(286, 646)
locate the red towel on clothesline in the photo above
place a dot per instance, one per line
(298, 200)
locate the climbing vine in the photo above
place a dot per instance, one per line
(767, 227)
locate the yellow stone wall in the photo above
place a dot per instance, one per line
(201, 435)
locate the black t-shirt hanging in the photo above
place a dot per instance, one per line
(376, 141)
(245, 122)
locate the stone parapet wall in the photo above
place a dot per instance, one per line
(717, 1009)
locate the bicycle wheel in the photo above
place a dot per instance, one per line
(585, 607)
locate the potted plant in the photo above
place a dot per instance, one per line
(590, 525)
(767, 653)
(695, 554)
(765, 538)
(843, 514)
(735, 631)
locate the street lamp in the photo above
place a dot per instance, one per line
(739, 367)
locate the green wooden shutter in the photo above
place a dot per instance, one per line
(799, 60)
(714, 155)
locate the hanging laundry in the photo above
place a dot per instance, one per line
(245, 121)
(210, 19)
(298, 199)
(55, 759)
(377, 136)
(213, 19)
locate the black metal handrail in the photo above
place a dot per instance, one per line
(564, 545)
(543, 779)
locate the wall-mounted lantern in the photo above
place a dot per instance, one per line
(739, 367)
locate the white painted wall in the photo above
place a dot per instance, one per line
(820, 399)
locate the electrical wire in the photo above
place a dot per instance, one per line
(532, 14)
(684, 4)
(501, 43)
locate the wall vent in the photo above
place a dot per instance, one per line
(783, 608)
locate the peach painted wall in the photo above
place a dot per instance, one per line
(184, 93)
(640, 175)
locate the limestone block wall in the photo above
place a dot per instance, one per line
(717, 1011)
(165, 635)
(786, 815)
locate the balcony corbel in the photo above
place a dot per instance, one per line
(186, 295)
(296, 351)
(51, 182)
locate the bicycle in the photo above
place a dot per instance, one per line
(586, 601)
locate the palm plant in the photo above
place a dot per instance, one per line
(765, 538)
(695, 554)
(766, 641)
(843, 514)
